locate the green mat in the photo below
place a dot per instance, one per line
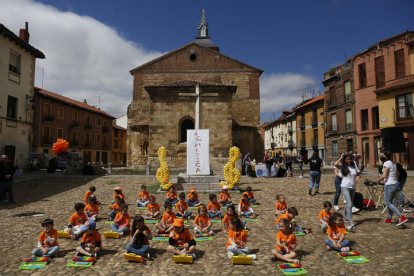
(354, 259)
(109, 221)
(201, 239)
(160, 239)
(215, 220)
(254, 206)
(141, 208)
(151, 221)
(32, 265)
(192, 207)
(293, 271)
(251, 219)
(298, 233)
(79, 264)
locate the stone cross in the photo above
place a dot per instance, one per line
(198, 107)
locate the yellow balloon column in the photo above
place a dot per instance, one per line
(231, 173)
(163, 175)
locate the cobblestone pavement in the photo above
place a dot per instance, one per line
(388, 248)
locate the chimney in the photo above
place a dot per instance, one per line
(84, 101)
(24, 33)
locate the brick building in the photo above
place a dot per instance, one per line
(164, 102)
(340, 111)
(87, 128)
(375, 70)
(119, 144)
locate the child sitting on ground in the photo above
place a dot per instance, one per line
(281, 206)
(118, 192)
(180, 240)
(202, 223)
(121, 222)
(225, 197)
(140, 234)
(171, 196)
(90, 192)
(47, 245)
(143, 197)
(336, 234)
(324, 215)
(285, 243)
(182, 207)
(193, 198)
(231, 213)
(167, 220)
(250, 195)
(153, 209)
(91, 242)
(244, 207)
(91, 210)
(237, 239)
(116, 207)
(292, 212)
(214, 207)
(76, 221)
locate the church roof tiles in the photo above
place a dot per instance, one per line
(189, 83)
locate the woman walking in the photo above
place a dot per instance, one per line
(300, 163)
(315, 165)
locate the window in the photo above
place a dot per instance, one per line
(104, 140)
(120, 143)
(379, 72)
(74, 136)
(98, 138)
(60, 112)
(115, 133)
(12, 107)
(14, 63)
(364, 119)
(115, 143)
(60, 133)
(399, 64)
(122, 134)
(104, 123)
(375, 117)
(332, 96)
(405, 107)
(115, 156)
(334, 123)
(74, 116)
(347, 88)
(186, 124)
(46, 134)
(87, 137)
(88, 120)
(48, 110)
(144, 148)
(348, 117)
(98, 122)
(334, 148)
(362, 75)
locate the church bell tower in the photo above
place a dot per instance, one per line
(203, 39)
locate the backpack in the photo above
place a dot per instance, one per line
(358, 201)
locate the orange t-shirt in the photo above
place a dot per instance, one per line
(168, 219)
(182, 207)
(324, 216)
(43, 238)
(286, 240)
(153, 207)
(214, 206)
(202, 221)
(244, 206)
(227, 219)
(87, 195)
(125, 219)
(335, 232)
(281, 206)
(224, 196)
(190, 195)
(143, 196)
(182, 238)
(148, 232)
(93, 208)
(286, 216)
(250, 195)
(237, 237)
(121, 195)
(172, 195)
(78, 219)
(116, 208)
(96, 237)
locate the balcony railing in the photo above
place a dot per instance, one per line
(303, 143)
(47, 141)
(105, 129)
(348, 98)
(339, 100)
(405, 113)
(349, 127)
(314, 120)
(47, 118)
(88, 126)
(291, 144)
(88, 144)
(314, 141)
(333, 129)
(74, 124)
(74, 143)
(302, 123)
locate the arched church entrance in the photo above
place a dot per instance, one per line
(185, 124)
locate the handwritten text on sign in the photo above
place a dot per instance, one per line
(198, 152)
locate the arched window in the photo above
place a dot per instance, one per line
(144, 148)
(186, 124)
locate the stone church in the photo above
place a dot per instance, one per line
(165, 94)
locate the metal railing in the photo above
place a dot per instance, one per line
(105, 129)
(314, 141)
(47, 140)
(333, 129)
(349, 127)
(303, 143)
(405, 113)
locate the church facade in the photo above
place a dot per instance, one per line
(166, 91)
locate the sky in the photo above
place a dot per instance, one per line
(90, 45)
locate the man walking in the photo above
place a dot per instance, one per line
(6, 178)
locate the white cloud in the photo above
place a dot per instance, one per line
(84, 57)
(281, 91)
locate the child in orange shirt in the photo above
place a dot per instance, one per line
(118, 192)
(167, 220)
(140, 236)
(237, 239)
(181, 241)
(47, 245)
(324, 215)
(193, 198)
(225, 197)
(202, 223)
(91, 210)
(122, 221)
(92, 189)
(244, 207)
(153, 209)
(116, 208)
(292, 212)
(285, 243)
(336, 234)
(214, 207)
(76, 221)
(171, 196)
(182, 207)
(280, 206)
(231, 213)
(91, 242)
(250, 195)
(143, 197)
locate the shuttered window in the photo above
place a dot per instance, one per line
(362, 75)
(347, 86)
(379, 72)
(14, 63)
(399, 64)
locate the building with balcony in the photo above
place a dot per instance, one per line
(383, 74)
(340, 111)
(119, 144)
(86, 128)
(17, 75)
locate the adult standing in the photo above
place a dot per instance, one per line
(390, 175)
(246, 162)
(268, 161)
(288, 163)
(402, 178)
(315, 165)
(6, 178)
(300, 163)
(350, 177)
